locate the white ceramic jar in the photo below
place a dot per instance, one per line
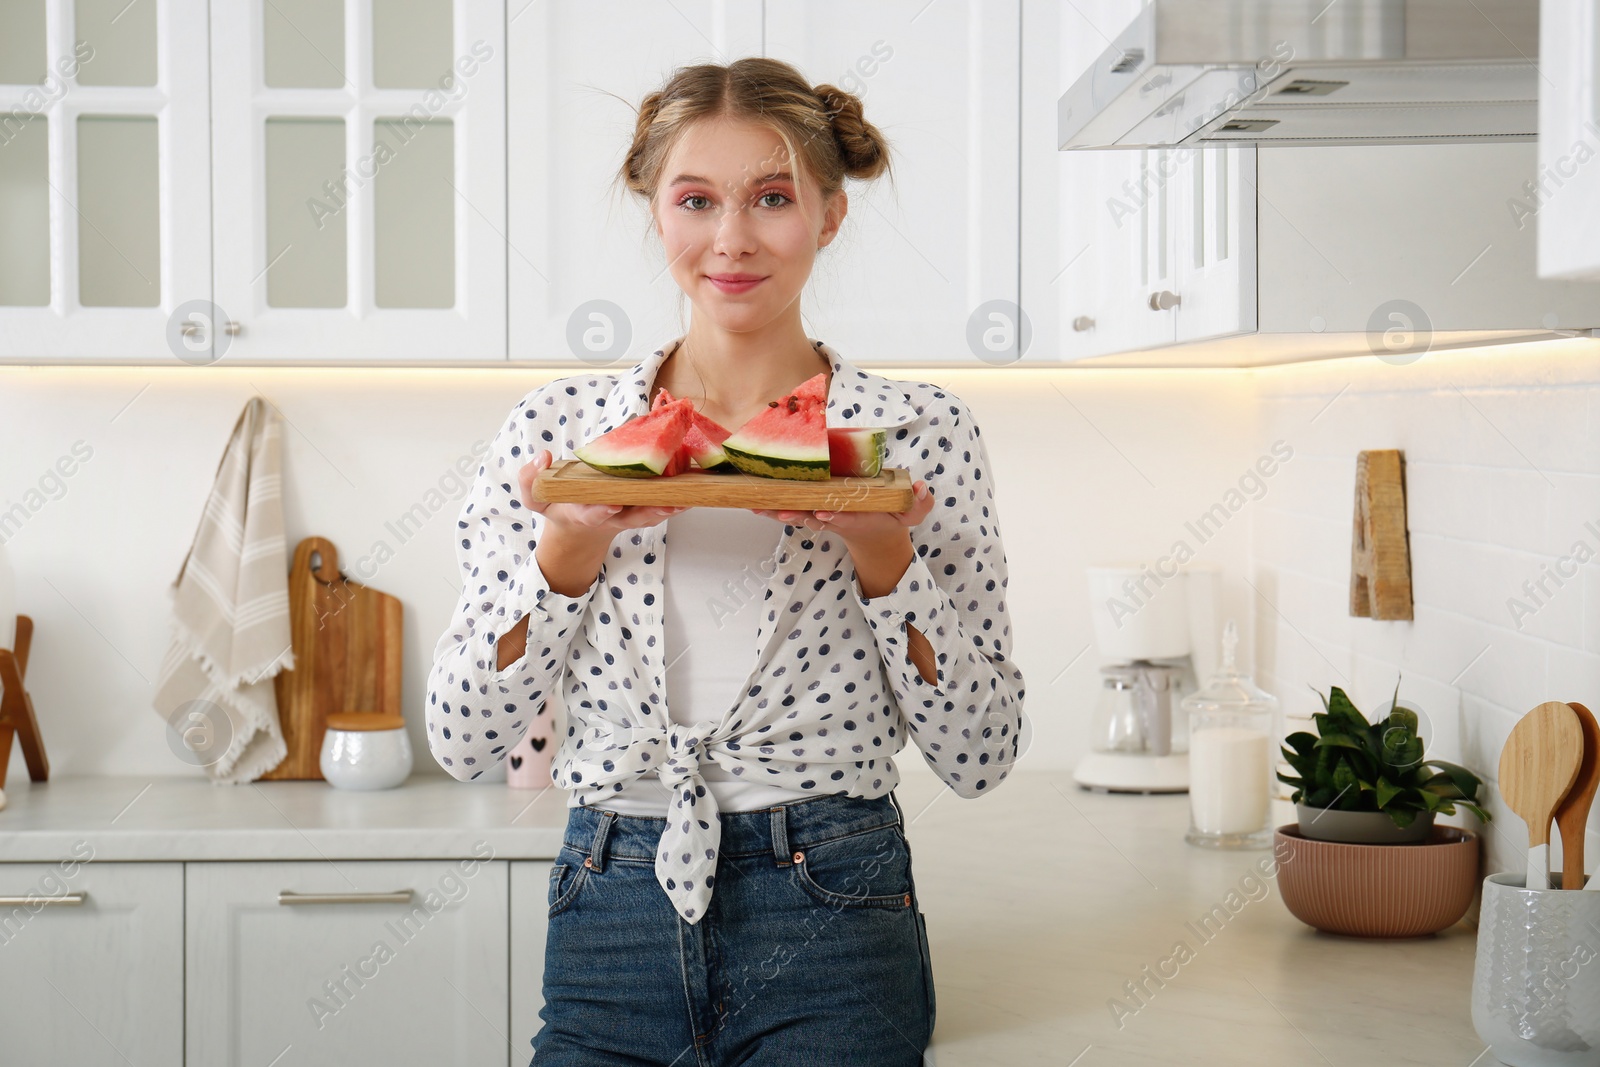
(365, 750)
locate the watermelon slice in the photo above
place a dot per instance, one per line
(856, 451)
(703, 442)
(787, 440)
(814, 388)
(645, 446)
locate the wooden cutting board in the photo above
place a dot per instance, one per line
(347, 650)
(574, 481)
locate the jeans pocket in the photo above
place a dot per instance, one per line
(565, 881)
(866, 869)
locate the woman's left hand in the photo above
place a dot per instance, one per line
(860, 527)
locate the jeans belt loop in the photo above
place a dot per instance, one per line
(597, 850)
(780, 836)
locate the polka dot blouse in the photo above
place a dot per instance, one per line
(834, 694)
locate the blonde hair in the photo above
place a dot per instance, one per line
(827, 138)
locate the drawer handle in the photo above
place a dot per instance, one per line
(28, 902)
(402, 896)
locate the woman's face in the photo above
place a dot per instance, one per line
(729, 207)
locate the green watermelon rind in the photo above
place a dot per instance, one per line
(594, 457)
(614, 452)
(760, 448)
(763, 465)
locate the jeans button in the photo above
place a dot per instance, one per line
(799, 856)
(588, 861)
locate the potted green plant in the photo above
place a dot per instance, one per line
(1368, 783)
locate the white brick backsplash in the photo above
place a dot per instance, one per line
(1591, 607)
(1501, 455)
(1519, 508)
(1446, 499)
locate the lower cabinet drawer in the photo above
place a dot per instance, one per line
(91, 962)
(346, 962)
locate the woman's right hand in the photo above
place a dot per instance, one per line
(594, 523)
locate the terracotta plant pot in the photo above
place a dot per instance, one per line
(1378, 890)
(1361, 827)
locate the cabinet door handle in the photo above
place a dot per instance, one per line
(1082, 323)
(286, 896)
(231, 328)
(21, 902)
(1165, 300)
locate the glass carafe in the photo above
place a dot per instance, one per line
(1233, 733)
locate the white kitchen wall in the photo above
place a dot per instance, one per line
(1502, 452)
(1089, 465)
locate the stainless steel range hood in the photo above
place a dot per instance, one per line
(1308, 72)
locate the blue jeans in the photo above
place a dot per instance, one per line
(813, 951)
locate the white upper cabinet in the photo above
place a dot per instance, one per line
(926, 265)
(1124, 249)
(359, 179)
(1565, 194)
(586, 276)
(921, 258)
(104, 153)
(1214, 246)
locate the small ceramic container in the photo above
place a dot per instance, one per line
(1536, 978)
(365, 750)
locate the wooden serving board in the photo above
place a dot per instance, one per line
(572, 481)
(347, 650)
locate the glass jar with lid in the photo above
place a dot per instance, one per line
(1233, 732)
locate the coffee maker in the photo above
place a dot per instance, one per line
(1155, 628)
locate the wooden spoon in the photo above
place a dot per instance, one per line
(1572, 817)
(1537, 768)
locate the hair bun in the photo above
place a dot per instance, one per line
(861, 146)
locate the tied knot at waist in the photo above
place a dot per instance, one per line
(684, 746)
(686, 858)
(673, 753)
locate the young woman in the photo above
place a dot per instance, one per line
(735, 882)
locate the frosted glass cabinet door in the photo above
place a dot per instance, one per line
(360, 179)
(321, 963)
(105, 215)
(587, 278)
(91, 962)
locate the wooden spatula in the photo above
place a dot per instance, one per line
(1537, 768)
(1572, 817)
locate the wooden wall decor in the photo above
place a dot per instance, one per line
(16, 708)
(1380, 553)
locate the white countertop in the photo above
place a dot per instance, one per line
(190, 818)
(1043, 901)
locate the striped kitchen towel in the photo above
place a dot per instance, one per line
(230, 614)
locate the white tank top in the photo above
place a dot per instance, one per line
(718, 561)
